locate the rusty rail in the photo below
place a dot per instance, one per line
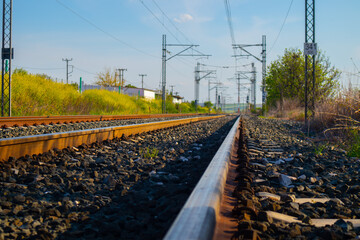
(38, 120)
(21, 146)
(198, 217)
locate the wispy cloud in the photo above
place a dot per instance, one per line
(185, 17)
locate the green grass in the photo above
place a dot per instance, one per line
(38, 95)
(149, 153)
(354, 146)
(319, 149)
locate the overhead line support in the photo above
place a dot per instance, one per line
(7, 54)
(165, 59)
(310, 48)
(262, 60)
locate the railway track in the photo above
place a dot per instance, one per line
(265, 181)
(46, 120)
(106, 190)
(29, 145)
(272, 183)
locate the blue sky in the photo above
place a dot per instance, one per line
(125, 34)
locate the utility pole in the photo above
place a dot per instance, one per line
(310, 48)
(263, 54)
(263, 60)
(197, 85)
(238, 86)
(165, 59)
(121, 77)
(197, 82)
(172, 89)
(6, 57)
(142, 80)
(253, 85)
(67, 69)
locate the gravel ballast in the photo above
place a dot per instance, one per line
(129, 188)
(286, 163)
(21, 131)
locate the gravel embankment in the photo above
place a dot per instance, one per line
(54, 128)
(129, 188)
(300, 169)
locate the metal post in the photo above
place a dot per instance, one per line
(6, 57)
(163, 74)
(253, 85)
(216, 97)
(263, 53)
(142, 80)
(310, 48)
(209, 90)
(238, 85)
(197, 83)
(67, 69)
(80, 86)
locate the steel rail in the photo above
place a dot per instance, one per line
(38, 120)
(198, 217)
(29, 145)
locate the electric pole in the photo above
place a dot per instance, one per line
(6, 57)
(310, 48)
(165, 59)
(67, 68)
(263, 60)
(172, 89)
(142, 80)
(253, 85)
(238, 90)
(121, 77)
(197, 82)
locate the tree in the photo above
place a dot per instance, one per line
(109, 79)
(285, 78)
(130, 86)
(208, 104)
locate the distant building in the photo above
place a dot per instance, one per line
(142, 92)
(177, 99)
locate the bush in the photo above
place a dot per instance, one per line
(39, 95)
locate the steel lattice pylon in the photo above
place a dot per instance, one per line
(309, 61)
(6, 56)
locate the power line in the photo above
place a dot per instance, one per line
(228, 14)
(82, 70)
(152, 13)
(17, 66)
(103, 31)
(282, 26)
(171, 22)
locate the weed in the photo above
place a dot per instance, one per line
(319, 149)
(354, 147)
(148, 153)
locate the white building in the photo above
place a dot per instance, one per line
(177, 99)
(142, 92)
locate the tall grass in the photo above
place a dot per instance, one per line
(37, 95)
(288, 109)
(340, 118)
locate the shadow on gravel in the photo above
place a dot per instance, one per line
(147, 210)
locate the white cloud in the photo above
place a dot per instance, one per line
(185, 17)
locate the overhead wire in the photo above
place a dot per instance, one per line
(38, 68)
(157, 18)
(85, 71)
(229, 19)
(171, 22)
(103, 31)
(282, 26)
